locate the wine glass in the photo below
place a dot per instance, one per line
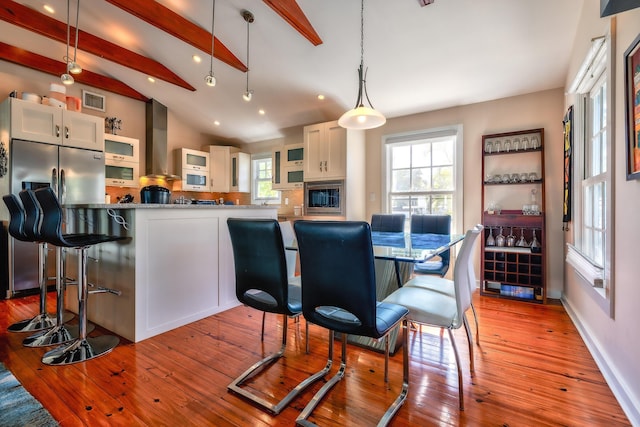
(488, 147)
(490, 240)
(534, 242)
(535, 143)
(525, 143)
(515, 145)
(511, 239)
(500, 238)
(522, 242)
(507, 145)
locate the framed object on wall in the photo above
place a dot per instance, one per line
(632, 107)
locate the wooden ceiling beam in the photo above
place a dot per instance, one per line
(41, 63)
(291, 12)
(24, 17)
(170, 22)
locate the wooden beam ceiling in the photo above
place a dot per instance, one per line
(291, 12)
(22, 16)
(170, 22)
(37, 62)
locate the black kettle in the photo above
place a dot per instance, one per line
(155, 194)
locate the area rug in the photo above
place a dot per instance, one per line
(19, 408)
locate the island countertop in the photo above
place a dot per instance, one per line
(163, 206)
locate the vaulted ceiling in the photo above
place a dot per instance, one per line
(449, 53)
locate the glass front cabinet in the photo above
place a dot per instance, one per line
(122, 161)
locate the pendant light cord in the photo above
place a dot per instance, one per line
(213, 20)
(248, 25)
(75, 48)
(68, 31)
(361, 33)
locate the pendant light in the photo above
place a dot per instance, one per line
(248, 17)
(362, 117)
(210, 79)
(72, 66)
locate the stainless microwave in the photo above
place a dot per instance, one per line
(324, 198)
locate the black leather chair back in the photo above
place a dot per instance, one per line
(16, 219)
(33, 215)
(437, 224)
(51, 224)
(338, 276)
(260, 265)
(388, 222)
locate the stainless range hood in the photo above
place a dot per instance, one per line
(157, 154)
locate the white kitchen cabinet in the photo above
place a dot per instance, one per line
(193, 168)
(325, 149)
(230, 170)
(54, 125)
(241, 172)
(122, 161)
(288, 167)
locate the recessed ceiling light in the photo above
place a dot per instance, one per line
(151, 79)
(321, 97)
(196, 59)
(217, 123)
(49, 9)
(261, 112)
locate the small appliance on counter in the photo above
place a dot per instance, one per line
(155, 194)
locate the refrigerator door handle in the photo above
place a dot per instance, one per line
(63, 187)
(54, 180)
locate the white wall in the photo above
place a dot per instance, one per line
(613, 341)
(536, 110)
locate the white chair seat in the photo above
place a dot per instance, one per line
(442, 308)
(434, 283)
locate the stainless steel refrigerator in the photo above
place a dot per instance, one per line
(77, 176)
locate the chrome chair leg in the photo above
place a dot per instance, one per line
(259, 366)
(475, 318)
(306, 412)
(457, 356)
(61, 333)
(264, 314)
(395, 406)
(467, 329)
(43, 320)
(83, 348)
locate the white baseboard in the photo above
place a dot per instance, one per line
(616, 382)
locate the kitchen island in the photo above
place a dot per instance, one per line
(176, 266)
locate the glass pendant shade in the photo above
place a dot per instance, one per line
(210, 79)
(361, 118)
(73, 67)
(67, 79)
(247, 95)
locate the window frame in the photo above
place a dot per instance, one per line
(255, 159)
(456, 132)
(597, 69)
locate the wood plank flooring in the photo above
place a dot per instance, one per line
(531, 369)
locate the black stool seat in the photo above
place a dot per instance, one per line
(83, 348)
(25, 231)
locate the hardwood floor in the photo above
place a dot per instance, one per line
(531, 369)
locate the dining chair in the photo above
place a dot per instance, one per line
(432, 224)
(446, 286)
(438, 309)
(339, 294)
(393, 223)
(262, 283)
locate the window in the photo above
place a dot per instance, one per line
(590, 253)
(422, 173)
(262, 172)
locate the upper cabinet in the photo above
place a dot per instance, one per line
(230, 169)
(53, 125)
(193, 168)
(288, 165)
(122, 161)
(325, 149)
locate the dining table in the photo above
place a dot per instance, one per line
(395, 255)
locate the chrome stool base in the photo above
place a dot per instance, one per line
(57, 335)
(81, 350)
(38, 323)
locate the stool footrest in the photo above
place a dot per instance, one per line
(103, 290)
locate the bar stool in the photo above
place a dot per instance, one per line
(20, 230)
(60, 333)
(82, 348)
